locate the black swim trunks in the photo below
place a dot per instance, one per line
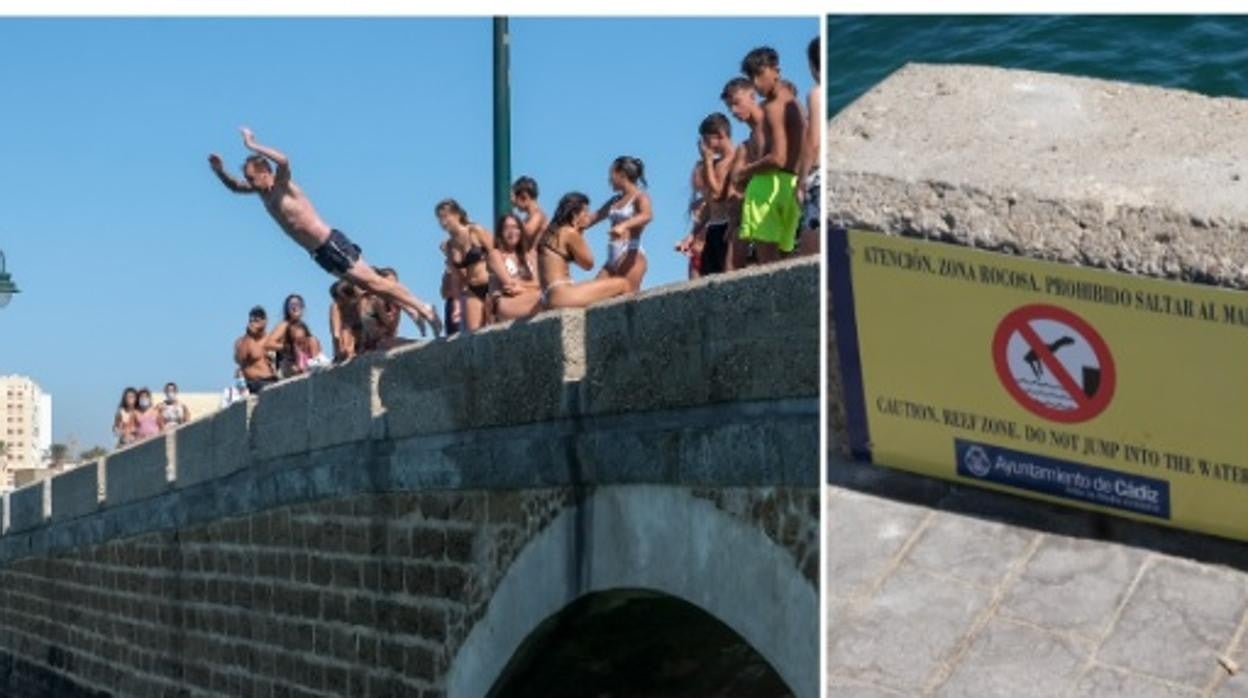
(255, 385)
(452, 327)
(337, 254)
(715, 249)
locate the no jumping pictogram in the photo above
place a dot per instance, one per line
(1054, 363)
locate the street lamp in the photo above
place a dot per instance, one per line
(502, 118)
(7, 287)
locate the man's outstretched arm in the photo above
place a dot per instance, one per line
(230, 183)
(278, 158)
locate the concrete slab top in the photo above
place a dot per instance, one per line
(1057, 137)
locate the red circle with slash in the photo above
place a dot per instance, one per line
(1086, 395)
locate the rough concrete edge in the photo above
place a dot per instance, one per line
(573, 339)
(635, 309)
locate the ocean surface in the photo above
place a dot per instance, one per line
(1206, 54)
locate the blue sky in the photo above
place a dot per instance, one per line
(137, 267)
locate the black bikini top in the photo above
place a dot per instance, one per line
(474, 255)
(566, 256)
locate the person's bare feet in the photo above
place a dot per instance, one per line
(426, 314)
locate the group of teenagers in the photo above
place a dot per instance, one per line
(752, 203)
(524, 266)
(759, 201)
(747, 208)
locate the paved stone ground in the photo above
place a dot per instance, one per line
(927, 602)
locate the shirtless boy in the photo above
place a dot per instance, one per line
(810, 192)
(721, 202)
(739, 97)
(532, 217)
(770, 213)
(292, 210)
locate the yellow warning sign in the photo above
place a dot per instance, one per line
(1098, 389)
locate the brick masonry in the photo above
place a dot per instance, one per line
(364, 596)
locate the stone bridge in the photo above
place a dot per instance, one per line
(940, 589)
(621, 501)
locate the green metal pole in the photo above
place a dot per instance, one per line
(502, 118)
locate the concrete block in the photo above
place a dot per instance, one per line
(29, 506)
(77, 492)
(138, 472)
(516, 373)
(1140, 179)
(753, 335)
(280, 419)
(343, 402)
(214, 446)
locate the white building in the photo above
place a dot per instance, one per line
(44, 435)
(27, 426)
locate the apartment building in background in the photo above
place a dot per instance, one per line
(26, 429)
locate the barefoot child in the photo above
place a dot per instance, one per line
(524, 201)
(810, 192)
(770, 213)
(723, 201)
(738, 95)
(332, 250)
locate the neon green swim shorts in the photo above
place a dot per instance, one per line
(770, 212)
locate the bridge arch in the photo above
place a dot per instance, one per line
(633, 642)
(656, 539)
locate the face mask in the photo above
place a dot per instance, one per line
(144, 403)
(171, 397)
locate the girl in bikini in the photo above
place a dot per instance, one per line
(562, 243)
(628, 211)
(467, 251)
(124, 425)
(517, 294)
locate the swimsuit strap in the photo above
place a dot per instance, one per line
(624, 212)
(473, 256)
(546, 244)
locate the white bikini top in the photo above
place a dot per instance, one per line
(623, 213)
